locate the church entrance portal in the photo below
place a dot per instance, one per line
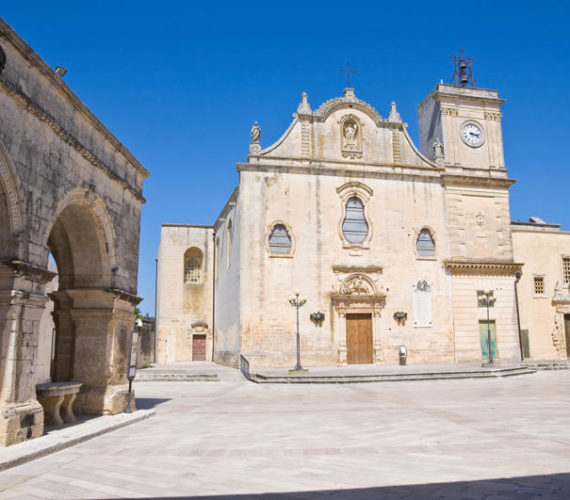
(359, 338)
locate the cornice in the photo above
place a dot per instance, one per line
(35, 273)
(482, 267)
(229, 204)
(38, 63)
(474, 180)
(43, 116)
(341, 169)
(357, 269)
(126, 296)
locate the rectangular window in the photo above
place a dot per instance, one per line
(566, 270)
(192, 271)
(539, 285)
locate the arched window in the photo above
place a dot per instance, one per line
(192, 265)
(279, 240)
(354, 226)
(425, 245)
(229, 244)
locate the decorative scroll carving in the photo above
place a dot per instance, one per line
(357, 285)
(199, 326)
(449, 111)
(480, 219)
(493, 116)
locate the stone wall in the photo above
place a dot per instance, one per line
(184, 306)
(541, 247)
(68, 187)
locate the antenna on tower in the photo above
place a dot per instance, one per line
(463, 74)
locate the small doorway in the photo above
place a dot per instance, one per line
(484, 327)
(359, 339)
(567, 332)
(199, 348)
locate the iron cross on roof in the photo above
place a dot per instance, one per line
(348, 71)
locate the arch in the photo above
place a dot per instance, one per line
(81, 238)
(11, 209)
(279, 240)
(425, 243)
(193, 258)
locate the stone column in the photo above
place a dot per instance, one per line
(64, 337)
(377, 330)
(21, 307)
(103, 323)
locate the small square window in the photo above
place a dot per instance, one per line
(539, 285)
(566, 270)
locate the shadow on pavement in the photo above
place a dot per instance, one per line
(555, 486)
(148, 403)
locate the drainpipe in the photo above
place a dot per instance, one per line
(518, 275)
(213, 293)
(155, 357)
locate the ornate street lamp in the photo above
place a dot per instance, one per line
(297, 303)
(487, 298)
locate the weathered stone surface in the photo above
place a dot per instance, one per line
(68, 187)
(456, 191)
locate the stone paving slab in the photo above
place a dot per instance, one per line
(488, 438)
(70, 435)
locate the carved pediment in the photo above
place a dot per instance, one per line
(357, 284)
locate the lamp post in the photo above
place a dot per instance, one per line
(489, 300)
(297, 303)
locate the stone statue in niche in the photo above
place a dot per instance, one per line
(437, 150)
(350, 138)
(356, 285)
(350, 131)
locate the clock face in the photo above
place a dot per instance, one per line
(472, 135)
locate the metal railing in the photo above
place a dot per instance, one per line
(244, 366)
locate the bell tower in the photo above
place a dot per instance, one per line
(466, 120)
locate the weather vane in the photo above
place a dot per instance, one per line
(348, 71)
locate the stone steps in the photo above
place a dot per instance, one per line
(562, 364)
(173, 376)
(389, 377)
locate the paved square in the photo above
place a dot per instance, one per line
(431, 439)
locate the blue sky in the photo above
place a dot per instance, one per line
(180, 83)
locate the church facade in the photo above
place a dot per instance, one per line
(392, 245)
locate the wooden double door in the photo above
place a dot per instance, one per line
(359, 339)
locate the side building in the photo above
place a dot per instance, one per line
(544, 289)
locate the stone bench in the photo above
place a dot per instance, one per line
(57, 400)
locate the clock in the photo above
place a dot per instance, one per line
(472, 134)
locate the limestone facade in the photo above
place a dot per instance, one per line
(68, 187)
(392, 243)
(543, 291)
